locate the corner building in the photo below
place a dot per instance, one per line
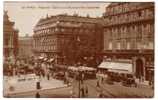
(68, 39)
(10, 38)
(129, 34)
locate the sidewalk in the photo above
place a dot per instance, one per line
(30, 85)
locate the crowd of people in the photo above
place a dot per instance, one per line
(28, 66)
(111, 77)
(44, 68)
(127, 79)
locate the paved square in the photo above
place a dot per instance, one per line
(27, 84)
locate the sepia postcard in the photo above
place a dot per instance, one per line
(78, 49)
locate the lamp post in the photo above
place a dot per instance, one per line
(80, 79)
(79, 84)
(77, 45)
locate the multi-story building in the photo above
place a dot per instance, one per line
(69, 38)
(25, 46)
(129, 34)
(10, 44)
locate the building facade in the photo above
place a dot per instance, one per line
(25, 46)
(10, 38)
(129, 34)
(68, 38)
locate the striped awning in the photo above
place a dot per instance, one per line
(121, 67)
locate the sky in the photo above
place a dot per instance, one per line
(26, 14)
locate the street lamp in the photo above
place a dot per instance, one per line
(77, 43)
(79, 76)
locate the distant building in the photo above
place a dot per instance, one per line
(68, 38)
(10, 38)
(129, 34)
(25, 46)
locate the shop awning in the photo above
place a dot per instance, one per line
(121, 67)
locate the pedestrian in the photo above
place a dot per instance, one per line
(37, 95)
(72, 93)
(97, 84)
(86, 91)
(43, 73)
(100, 94)
(82, 92)
(102, 80)
(48, 77)
(81, 81)
(139, 78)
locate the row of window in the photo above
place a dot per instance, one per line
(129, 45)
(45, 43)
(130, 38)
(130, 17)
(26, 43)
(63, 42)
(125, 7)
(64, 23)
(68, 30)
(10, 41)
(137, 39)
(130, 31)
(46, 48)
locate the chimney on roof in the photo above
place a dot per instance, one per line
(47, 16)
(75, 14)
(88, 16)
(26, 35)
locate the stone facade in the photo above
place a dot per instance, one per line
(25, 46)
(129, 34)
(66, 37)
(129, 26)
(10, 38)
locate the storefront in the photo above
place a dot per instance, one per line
(116, 66)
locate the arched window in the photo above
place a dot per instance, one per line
(118, 45)
(128, 45)
(110, 46)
